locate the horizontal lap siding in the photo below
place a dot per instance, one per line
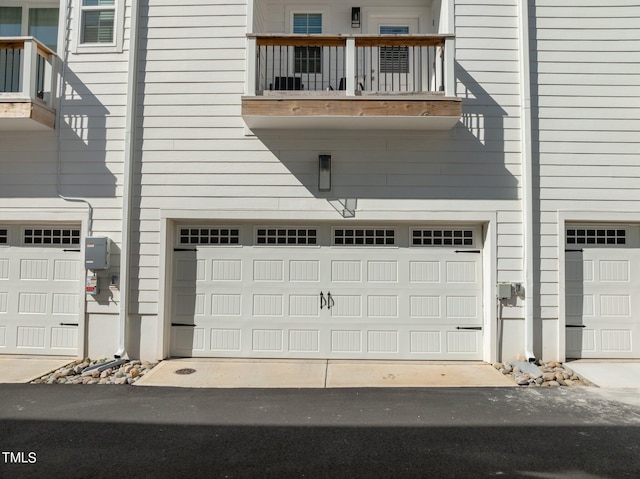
(196, 155)
(488, 74)
(587, 77)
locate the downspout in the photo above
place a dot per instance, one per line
(61, 94)
(128, 179)
(526, 135)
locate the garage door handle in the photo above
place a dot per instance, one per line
(330, 301)
(323, 301)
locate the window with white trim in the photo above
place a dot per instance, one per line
(100, 26)
(307, 59)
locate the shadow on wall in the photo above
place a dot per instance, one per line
(466, 163)
(28, 160)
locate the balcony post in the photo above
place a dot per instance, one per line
(252, 60)
(449, 67)
(350, 66)
(53, 80)
(29, 68)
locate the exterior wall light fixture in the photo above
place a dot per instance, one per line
(324, 172)
(355, 17)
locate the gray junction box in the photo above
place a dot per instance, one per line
(96, 252)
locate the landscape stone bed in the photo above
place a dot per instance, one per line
(551, 374)
(126, 373)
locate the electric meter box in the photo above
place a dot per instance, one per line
(504, 290)
(96, 252)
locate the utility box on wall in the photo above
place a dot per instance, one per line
(96, 252)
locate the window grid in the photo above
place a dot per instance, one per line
(210, 236)
(286, 236)
(600, 236)
(307, 59)
(441, 237)
(364, 237)
(4, 236)
(98, 21)
(51, 236)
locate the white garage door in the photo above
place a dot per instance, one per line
(324, 291)
(40, 271)
(603, 292)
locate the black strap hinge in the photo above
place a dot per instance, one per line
(575, 325)
(472, 328)
(68, 324)
(184, 324)
(467, 251)
(185, 249)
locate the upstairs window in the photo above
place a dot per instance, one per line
(307, 59)
(98, 21)
(100, 26)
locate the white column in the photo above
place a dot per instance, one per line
(350, 68)
(449, 67)
(29, 68)
(252, 59)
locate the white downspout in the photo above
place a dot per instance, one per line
(526, 135)
(63, 41)
(128, 179)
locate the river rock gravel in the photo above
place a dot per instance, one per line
(126, 373)
(552, 374)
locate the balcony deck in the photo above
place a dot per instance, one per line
(402, 82)
(28, 80)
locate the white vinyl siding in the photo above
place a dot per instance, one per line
(588, 82)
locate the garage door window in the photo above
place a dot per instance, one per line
(286, 236)
(364, 237)
(213, 236)
(51, 236)
(4, 236)
(600, 236)
(441, 237)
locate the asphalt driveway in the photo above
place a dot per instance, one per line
(102, 431)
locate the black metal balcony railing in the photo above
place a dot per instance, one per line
(357, 64)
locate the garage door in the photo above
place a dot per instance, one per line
(603, 292)
(323, 291)
(40, 271)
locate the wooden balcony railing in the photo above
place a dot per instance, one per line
(28, 77)
(351, 64)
